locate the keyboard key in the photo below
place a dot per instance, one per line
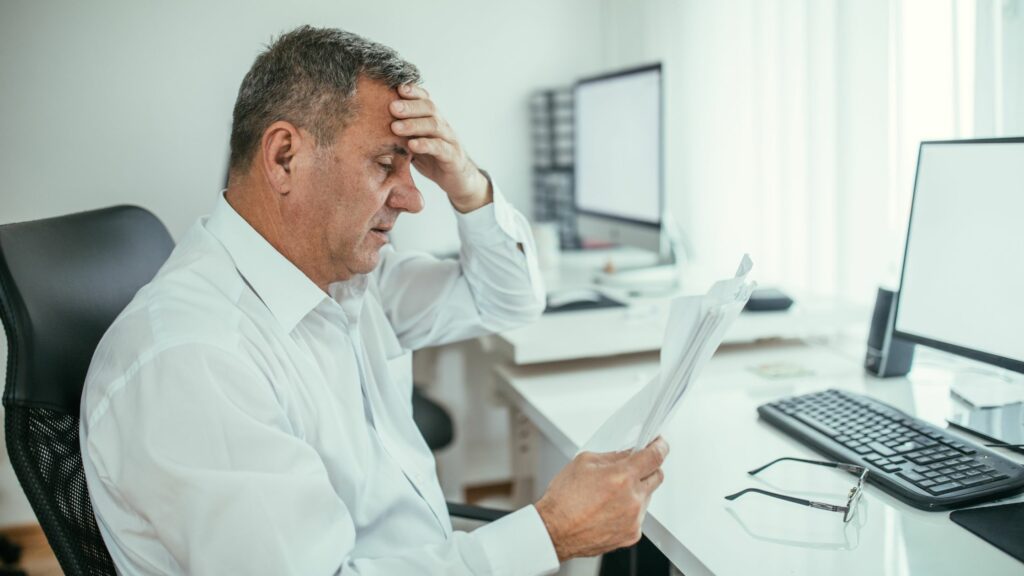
(917, 457)
(906, 447)
(881, 449)
(977, 481)
(817, 424)
(962, 448)
(946, 487)
(911, 476)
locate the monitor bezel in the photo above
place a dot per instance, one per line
(989, 358)
(661, 144)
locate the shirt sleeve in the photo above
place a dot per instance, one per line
(194, 468)
(494, 285)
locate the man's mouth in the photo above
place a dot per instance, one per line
(381, 232)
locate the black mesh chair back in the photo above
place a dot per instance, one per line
(62, 282)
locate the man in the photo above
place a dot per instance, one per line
(249, 411)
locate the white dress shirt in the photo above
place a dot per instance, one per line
(238, 420)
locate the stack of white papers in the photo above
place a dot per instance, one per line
(696, 326)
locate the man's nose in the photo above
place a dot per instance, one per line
(405, 196)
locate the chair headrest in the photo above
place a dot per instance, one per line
(63, 281)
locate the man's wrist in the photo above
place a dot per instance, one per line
(480, 194)
(547, 516)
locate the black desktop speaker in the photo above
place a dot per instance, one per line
(887, 356)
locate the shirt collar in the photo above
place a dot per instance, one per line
(283, 288)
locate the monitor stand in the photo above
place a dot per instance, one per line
(661, 276)
(988, 387)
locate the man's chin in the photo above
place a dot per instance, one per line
(368, 263)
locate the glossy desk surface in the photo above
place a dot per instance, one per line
(716, 437)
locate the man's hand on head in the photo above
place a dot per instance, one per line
(436, 151)
(597, 502)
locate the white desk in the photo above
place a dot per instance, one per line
(716, 437)
(640, 326)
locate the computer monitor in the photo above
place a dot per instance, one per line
(619, 184)
(962, 286)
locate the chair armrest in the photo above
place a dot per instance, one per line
(479, 513)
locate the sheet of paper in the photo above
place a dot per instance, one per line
(696, 327)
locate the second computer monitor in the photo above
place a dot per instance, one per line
(619, 196)
(963, 283)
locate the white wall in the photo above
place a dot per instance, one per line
(109, 102)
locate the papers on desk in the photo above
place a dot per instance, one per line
(695, 328)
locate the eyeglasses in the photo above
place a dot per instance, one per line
(852, 499)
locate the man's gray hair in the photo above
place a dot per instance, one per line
(308, 77)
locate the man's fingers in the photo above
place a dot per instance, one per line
(650, 458)
(412, 108)
(436, 147)
(413, 127)
(410, 91)
(652, 481)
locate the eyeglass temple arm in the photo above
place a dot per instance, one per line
(847, 467)
(801, 501)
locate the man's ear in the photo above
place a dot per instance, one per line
(278, 148)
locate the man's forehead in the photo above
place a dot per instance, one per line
(373, 116)
(373, 100)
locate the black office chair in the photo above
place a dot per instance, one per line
(433, 420)
(62, 282)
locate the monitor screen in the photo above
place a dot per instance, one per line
(963, 275)
(618, 145)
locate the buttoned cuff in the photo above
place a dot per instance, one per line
(518, 545)
(492, 223)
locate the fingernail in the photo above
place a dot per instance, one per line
(398, 125)
(398, 106)
(406, 88)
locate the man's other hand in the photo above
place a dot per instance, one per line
(597, 503)
(437, 153)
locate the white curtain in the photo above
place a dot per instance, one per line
(793, 125)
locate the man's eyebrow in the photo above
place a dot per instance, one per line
(394, 148)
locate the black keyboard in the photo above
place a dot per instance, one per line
(918, 463)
